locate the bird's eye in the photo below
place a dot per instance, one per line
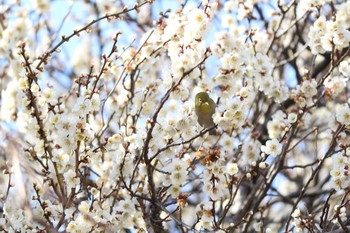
(200, 100)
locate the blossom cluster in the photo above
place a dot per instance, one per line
(326, 35)
(105, 136)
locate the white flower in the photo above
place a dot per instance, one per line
(326, 41)
(343, 115)
(217, 191)
(275, 127)
(344, 68)
(35, 88)
(250, 151)
(273, 147)
(229, 5)
(48, 94)
(126, 205)
(84, 207)
(82, 107)
(339, 160)
(61, 158)
(8, 101)
(177, 165)
(232, 168)
(95, 102)
(174, 191)
(317, 34)
(341, 38)
(174, 26)
(336, 84)
(337, 172)
(70, 178)
(177, 178)
(66, 125)
(262, 165)
(135, 141)
(94, 191)
(226, 142)
(197, 17)
(227, 21)
(339, 182)
(41, 6)
(40, 147)
(292, 117)
(309, 88)
(296, 213)
(67, 143)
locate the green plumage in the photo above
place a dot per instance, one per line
(205, 108)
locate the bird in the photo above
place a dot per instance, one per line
(205, 108)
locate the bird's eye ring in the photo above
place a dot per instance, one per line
(200, 100)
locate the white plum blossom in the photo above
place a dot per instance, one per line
(205, 213)
(336, 84)
(326, 34)
(8, 101)
(232, 168)
(276, 125)
(250, 151)
(71, 179)
(339, 173)
(343, 114)
(308, 88)
(292, 117)
(41, 6)
(176, 176)
(272, 147)
(82, 107)
(344, 68)
(95, 102)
